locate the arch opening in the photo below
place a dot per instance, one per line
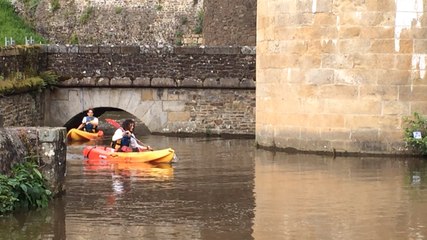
(102, 113)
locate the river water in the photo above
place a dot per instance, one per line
(228, 189)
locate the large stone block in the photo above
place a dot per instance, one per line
(47, 145)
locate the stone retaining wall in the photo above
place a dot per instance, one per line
(24, 109)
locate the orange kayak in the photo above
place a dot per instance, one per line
(166, 155)
(78, 135)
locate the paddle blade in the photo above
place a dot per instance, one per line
(113, 122)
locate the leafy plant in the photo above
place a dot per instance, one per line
(198, 29)
(178, 42)
(159, 7)
(54, 5)
(74, 39)
(49, 79)
(25, 188)
(416, 133)
(84, 18)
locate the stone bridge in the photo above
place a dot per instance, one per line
(207, 90)
(162, 110)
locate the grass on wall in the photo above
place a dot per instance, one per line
(19, 82)
(12, 26)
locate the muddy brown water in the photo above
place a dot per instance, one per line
(228, 189)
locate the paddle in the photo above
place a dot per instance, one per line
(115, 124)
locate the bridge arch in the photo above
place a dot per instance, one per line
(67, 106)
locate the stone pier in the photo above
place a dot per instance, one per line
(46, 145)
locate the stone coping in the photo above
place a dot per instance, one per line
(132, 49)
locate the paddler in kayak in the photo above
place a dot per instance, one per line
(124, 140)
(89, 122)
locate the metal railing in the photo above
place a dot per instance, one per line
(11, 42)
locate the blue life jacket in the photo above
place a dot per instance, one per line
(89, 126)
(125, 141)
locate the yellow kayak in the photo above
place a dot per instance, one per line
(78, 135)
(157, 156)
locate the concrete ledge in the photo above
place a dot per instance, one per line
(141, 82)
(248, 50)
(211, 83)
(88, 49)
(188, 50)
(191, 82)
(223, 50)
(9, 52)
(229, 82)
(121, 82)
(103, 82)
(163, 82)
(129, 49)
(247, 83)
(87, 82)
(53, 49)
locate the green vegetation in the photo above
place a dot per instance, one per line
(19, 82)
(84, 18)
(198, 29)
(159, 7)
(74, 39)
(24, 188)
(54, 5)
(118, 9)
(31, 5)
(178, 38)
(12, 26)
(416, 133)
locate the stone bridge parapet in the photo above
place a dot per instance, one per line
(147, 66)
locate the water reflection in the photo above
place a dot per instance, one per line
(206, 195)
(227, 189)
(317, 197)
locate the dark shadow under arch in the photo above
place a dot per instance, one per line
(108, 129)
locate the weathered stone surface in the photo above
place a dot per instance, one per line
(142, 82)
(87, 82)
(103, 82)
(211, 82)
(121, 82)
(188, 50)
(163, 82)
(25, 109)
(129, 49)
(247, 83)
(46, 145)
(222, 50)
(229, 82)
(191, 82)
(342, 71)
(88, 49)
